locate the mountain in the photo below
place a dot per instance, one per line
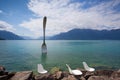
(88, 34)
(2, 39)
(9, 35)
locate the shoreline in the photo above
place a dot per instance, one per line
(58, 74)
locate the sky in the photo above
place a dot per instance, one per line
(25, 17)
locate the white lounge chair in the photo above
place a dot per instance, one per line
(87, 68)
(74, 72)
(41, 69)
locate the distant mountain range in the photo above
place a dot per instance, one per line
(88, 34)
(6, 35)
(74, 34)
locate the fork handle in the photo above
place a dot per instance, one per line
(44, 26)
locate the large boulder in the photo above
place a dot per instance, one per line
(23, 75)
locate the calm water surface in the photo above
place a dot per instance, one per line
(18, 55)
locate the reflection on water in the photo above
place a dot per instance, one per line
(98, 53)
(43, 58)
(44, 48)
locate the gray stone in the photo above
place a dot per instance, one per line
(23, 75)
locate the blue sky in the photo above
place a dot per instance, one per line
(24, 17)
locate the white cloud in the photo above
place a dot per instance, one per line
(5, 26)
(64, 15)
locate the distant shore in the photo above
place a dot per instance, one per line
(57, 74)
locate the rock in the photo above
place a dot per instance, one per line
(82, 78)
(24, 75)
(46, 76)
(88, 74)
(54, 70)
(2, 70)
(98, 78)
(11, 74)
(119, 70)
(65, 78)
(3, 73)
(65, 74)
(115, 75)
(70, 77)
(103, 73)
(6, 77)
(58, 75)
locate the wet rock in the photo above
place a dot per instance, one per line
(24, 75)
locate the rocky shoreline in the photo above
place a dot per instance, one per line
(60, 75)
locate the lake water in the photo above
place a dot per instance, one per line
(18, 55)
